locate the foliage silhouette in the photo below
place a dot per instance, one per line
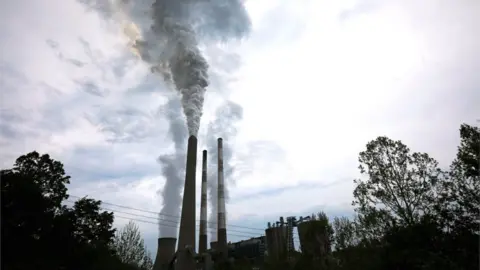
(38, 232)
(130, 247)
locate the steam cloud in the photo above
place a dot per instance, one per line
(171, 46)
(224, 125)
(169, 43)
(175, 21)
(173, 168)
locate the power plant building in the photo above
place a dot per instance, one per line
(253, 248)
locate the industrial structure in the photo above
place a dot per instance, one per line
(214, 245)
(165, 252)
(186, 236)
(280, 238)
(202, 240)
(314, 236)
(252, 249)
(276, 244)
(291, 222)
(276, 241)
(221, 220)
(185, 256)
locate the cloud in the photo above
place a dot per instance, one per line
(316, 82)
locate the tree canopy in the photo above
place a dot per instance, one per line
(39, 232)
(130, 247)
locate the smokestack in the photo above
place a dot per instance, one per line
(202, 245)
(221, 223)
(187, 222)
(165, 252)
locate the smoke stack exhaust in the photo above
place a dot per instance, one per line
(165, 252)
(202, 245)
(221, 222)
(187, 222)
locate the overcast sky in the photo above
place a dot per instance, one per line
(316, 79)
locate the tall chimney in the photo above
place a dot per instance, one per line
(221, 222)
(187, 222)
(202, 244)
(165, 252)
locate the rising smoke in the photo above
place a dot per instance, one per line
(175, 22)
(173, 167)
(178, 26)
(169, 43)
(224, 125)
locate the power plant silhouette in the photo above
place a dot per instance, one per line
(277, 241)
(185, 256)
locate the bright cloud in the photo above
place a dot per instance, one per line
(316, 80)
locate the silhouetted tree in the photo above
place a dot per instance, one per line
(399, 184)
(38, 232)
(459, 203)
(344, 233)
(130, 247)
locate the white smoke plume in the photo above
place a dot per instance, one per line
(182, 23)
(166, 35)
(224, 124)
(170, 45)
(175, 21)
(173, 167)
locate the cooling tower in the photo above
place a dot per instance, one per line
(302, 234)
(202, 244)
(165, 251)
(187, 222)
(276, 241)
(221, 222)
(313, 239)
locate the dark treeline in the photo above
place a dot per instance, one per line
(39, 232)
(409, 214)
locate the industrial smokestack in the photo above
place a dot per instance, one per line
(165, 252)
(202, 245)
(187, 222)
(221, 222)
